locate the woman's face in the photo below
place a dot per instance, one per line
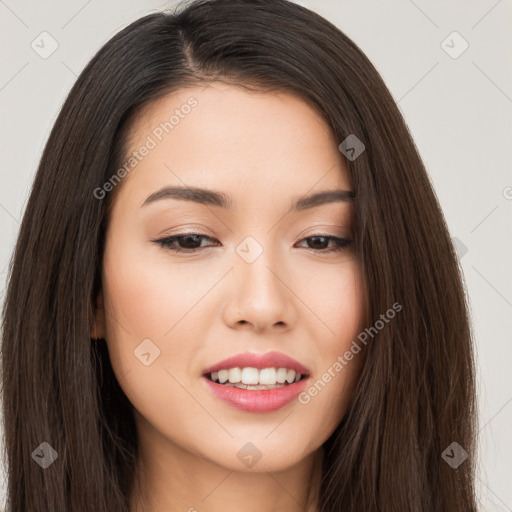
(253, 280)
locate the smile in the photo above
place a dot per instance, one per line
(253, 378)
(256, 383)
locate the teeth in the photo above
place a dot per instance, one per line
(235, 375)
(268, 376)
(248, 375)
(254, 387)
(252, 376)
(290, 376)
(281, 375)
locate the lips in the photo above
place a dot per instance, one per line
(266, 401)
(260, 361)
(253, 399)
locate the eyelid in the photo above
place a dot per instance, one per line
(188, 229)
(340, 243)
(327, 230)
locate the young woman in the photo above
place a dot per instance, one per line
(233, 287)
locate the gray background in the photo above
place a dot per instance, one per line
(458, 110)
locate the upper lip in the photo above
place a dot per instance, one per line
(254, 360)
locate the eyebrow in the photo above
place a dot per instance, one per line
(222, 200)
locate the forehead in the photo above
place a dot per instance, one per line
(226, 137)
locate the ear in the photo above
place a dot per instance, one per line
(98, 331)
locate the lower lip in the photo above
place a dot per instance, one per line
(261, 400)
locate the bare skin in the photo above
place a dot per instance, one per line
(264, 151)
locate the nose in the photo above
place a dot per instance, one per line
(261, 296)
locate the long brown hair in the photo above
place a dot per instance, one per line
(416, 393)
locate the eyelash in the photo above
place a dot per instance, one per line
(341, 243)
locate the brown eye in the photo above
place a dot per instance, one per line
(319, 243)
(189, 242)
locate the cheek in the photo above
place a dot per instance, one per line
(151, 325)
(350, 300)
(149, 294)
(341, 309)
(339, 300)
(151, 298)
